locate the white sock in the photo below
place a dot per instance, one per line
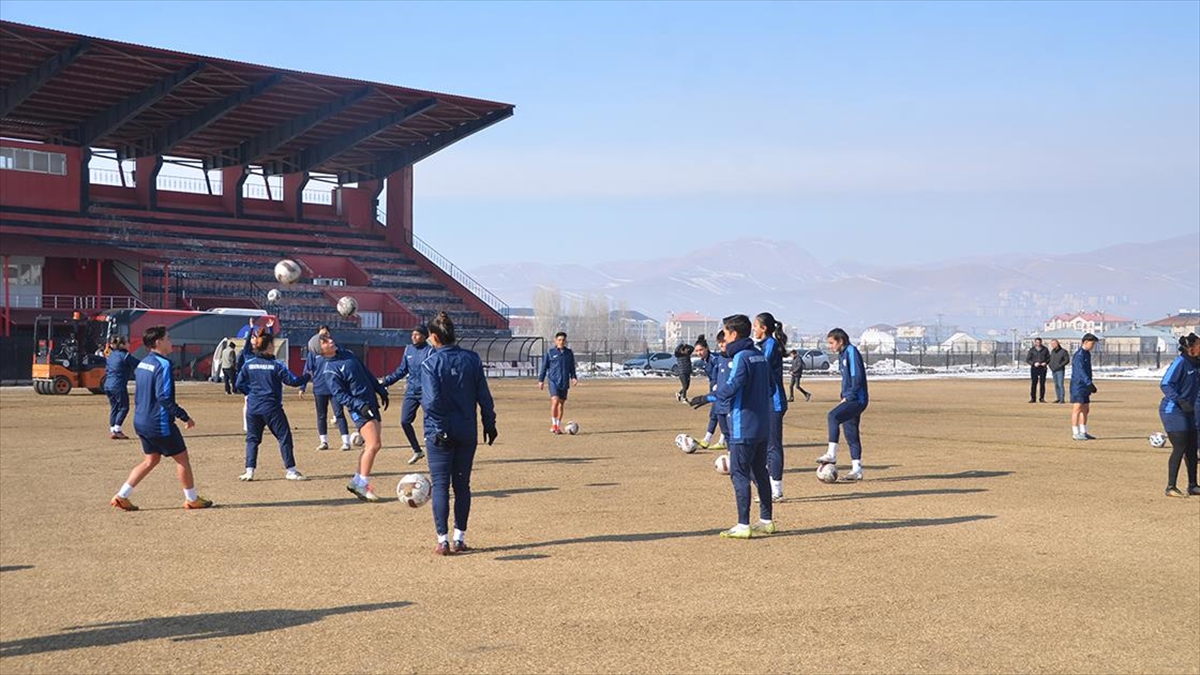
(441, 538)
(249, 469)
(459, 535)
(1083, 429)
(776, 486)
(832, 449)
(1074, 430)
(359, 480)
(345, 439)
(856, 465)
(721, 439)
(125, 491)
(553, 421)
(707, 438)
(189, 494)
(324, 438)
(112, 429)
(557, 421)
(740, 527)
(764, 522)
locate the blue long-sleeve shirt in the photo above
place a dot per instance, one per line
(261, 379)
(747, 392)
(722, 369)
(314, 367)
(247, 350)
(452, 384)
(558, 365)
(118, 369)
(351, 384)
(1081, 371)
(154, 398)
(1180, 384)
(774, 353)
(711, 369)
(410, 367)
(854, 375)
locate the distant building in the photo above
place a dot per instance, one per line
(687, 326)
(1181, 323)
(1137, 340)
(916, 335)
(635, 326)
(1087, 322)
(878, 338)
(962, 341)
(522, 321)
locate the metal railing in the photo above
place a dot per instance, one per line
(171, 183)
(58, 301)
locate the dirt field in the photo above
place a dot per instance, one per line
(983, 540)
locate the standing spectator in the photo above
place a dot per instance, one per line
(747, 392)
(228, 361)
(410, 367)
(118, 370)
(683, 364)
(797, 373)
(848, 413)
(154, 421)
(1059, 358)
(1082, 388)
(314, 366)
(558, 366)
(261, 379)
(352, 385)
(452, 385)
(1181, 388)
(1037, 358)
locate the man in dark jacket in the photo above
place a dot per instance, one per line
(1037, 358)
(683, 363)
(1059, 358)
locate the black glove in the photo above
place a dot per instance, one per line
(1092, 388)
(489, 435)
(698, 401)
(1186, 406)
(384, 400)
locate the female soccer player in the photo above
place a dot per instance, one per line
(848, 413)
(118, 370)
(1181, 388)
(770, 339)
(356, 389)
(261, 379)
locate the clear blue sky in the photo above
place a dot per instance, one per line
(880, 132)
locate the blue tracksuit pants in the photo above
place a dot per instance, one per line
(847, 415)
(408, 415)
(450, 467)
(775, 446)
(748, 461)
(322, 402)
(277, 422)
(118, 406)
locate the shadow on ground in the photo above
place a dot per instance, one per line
(888, 493)
(14, 568)
(658, 536)
(181, 628)
(944, 476)
(503, 494)
(542, 460)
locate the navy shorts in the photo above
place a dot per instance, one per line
(1084, 397)
(359, 420)
(166, 446)
(556, 392)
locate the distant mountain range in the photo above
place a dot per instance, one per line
(1143, 282)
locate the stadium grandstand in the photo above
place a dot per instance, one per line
(138, 177)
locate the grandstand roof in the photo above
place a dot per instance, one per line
(70, 89)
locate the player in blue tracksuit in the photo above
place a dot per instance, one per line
(1181, 393)
(848, 413)
(353, 386)
(314, 366)
(1082, 388)
(771, 340)
(711, 364)
(154, 420)
(410, 367)
(747, 391)
(452, 385)
(118, 371)
(558, 367)
(261, 379)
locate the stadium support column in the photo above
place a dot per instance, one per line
(85, 179)
(147, 169)
(400, 207)
(233, 178)
(293, 194)
(7, 302)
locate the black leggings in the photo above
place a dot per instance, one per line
(1183, 446)
(685, 381)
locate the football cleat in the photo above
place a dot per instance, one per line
(123, 504)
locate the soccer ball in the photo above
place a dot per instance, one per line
(273, 295)
(1158, 440)
(827, 473)
(572, 428)
(721, 464)
(287, 271)
(686, 443)
(347, 306)
(413, 489)
(356, 439)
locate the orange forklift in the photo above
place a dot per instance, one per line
(69, 353)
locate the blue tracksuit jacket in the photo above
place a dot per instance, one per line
(771, 349)
(1081, 372)
(711, 367)
(118, 370)
(352, 385)
(410, 367)
(721, 407)
(247, 351)
(154, 397)
(854, 375)
(314, 367)
(558, 365)
(261, 379)
(747, 392)
(452, 384)
(1181, 383)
